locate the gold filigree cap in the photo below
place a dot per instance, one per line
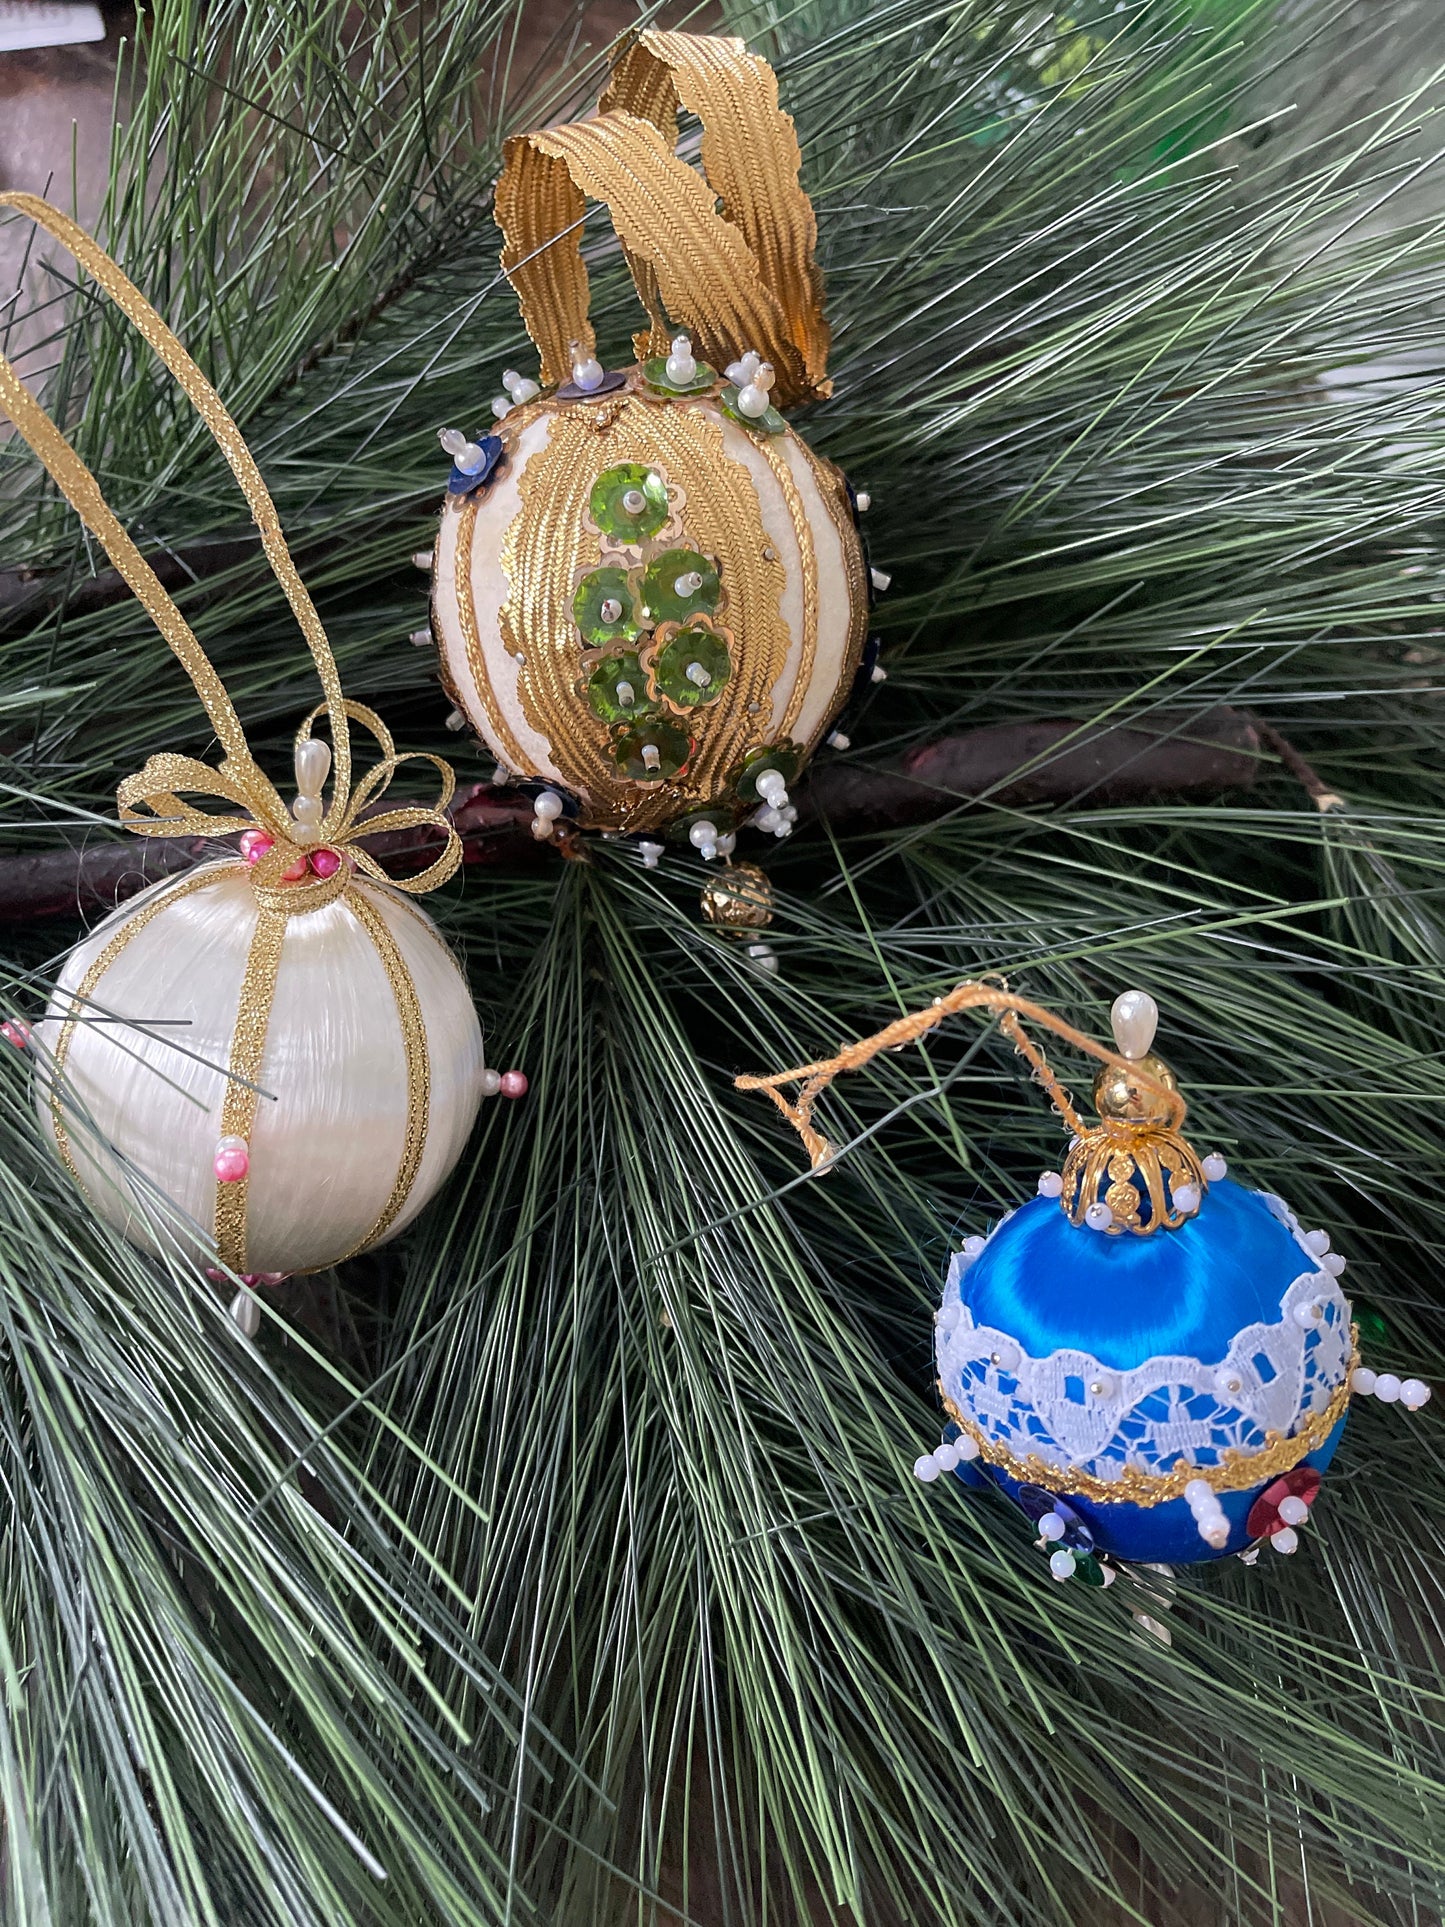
(1134, 1171)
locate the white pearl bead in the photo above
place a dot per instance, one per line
(650, 853)
(246, 1313)
(611, 610)
(1186, 1197)
(771, 782)
(752, 401)
(1051, 1526)
(967, 1448)
(1309, 1313)
(308, 809)
(491, 1083)
(1102, 1387)
(1214, 1531)
(1214, 1167)
(231, 1144)
(742, 371)
(1134, 1018)
(548, 806)
(1293, 1510)
(1227, 1382)
(1061, 1564)
(1285, 1540)
(701, 834)
(1199, 1492)
(688, 583)
(763, 958)
(973, 1247)
(1414, 1393)
(946, 1455)
(927, 1468)
(1317, 1241)
(1362, 1380)
(519, 387)
(1098, 1217)
(1334, 1263)
(501, 407)
(313, 765)
(587, 374)
(1051, 1185)
(1007, 1356)
(1387, 1388)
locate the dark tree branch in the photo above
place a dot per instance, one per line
(1014, 765)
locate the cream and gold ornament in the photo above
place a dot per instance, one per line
(649, 594)
(274, 1061)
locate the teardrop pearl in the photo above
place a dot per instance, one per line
(1135, 1018)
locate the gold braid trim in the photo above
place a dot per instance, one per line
(751, 158)
(1237, 1472)
(243, 1070)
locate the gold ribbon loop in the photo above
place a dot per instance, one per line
(746, 278)
(751, 158)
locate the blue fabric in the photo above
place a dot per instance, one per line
(1157, 1534)
(1052, 1285)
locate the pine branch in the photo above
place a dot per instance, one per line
(1007, 766)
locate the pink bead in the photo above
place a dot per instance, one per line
(15, 1031)
(231, 1166)
(215, 1274)
(294, 872)
(255, 844)
(325, 863)
(514, 1084)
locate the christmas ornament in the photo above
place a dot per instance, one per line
(1153, 1361)
(274, 1061)
(650, 596)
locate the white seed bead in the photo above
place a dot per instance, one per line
(491, 1082)
(651, 756)
(231, 1144)
(1387, 1388)
(1362, 1380)
(967, 1448)
(626, 695)
(879, 674)
(420, 638)
(456, 721)
(880, 581)
(1318, 1242)
(863, 500)
(1285, 1540)
(927, 1468)
(1051, 1185)
(763, 957)
(1214, 1167)
(1293, 1510)
(1098, 1217)
(1199, 1492)
(611, 610)
(1051, 1526)
(1414, 1393)
(634, 501)
(1186, 1197)
(422, 559)
(837, 740)
(501, 407)
(1106, 1573)
(697, 675)
(1061, 1564)
(1214, 1531)
(727, 844)
(246, 1313)
(548, 806)
(1309, 1313)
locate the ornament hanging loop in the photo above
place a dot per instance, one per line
(815, 1078)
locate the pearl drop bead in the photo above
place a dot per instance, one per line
(1285, 1540)
(1215, 1168)
(548, 806)
(1051, 1526)
(587, 375)
(1051, 1184)
(1061, 1564)
(927, 1468)
(1362, 1380)
(1098, 1217)
(491, 1083)
(246, 1313)
(313, 765)
(1414, 1393)
(1134, 1019)
(1387, 1388)
(1293, 1510)
(513, 1084)
(752, 401)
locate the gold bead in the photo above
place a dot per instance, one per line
(1119, 1094)
(738, 898)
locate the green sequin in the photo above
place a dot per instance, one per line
(617, 690)
(589, 608)
(770, 422)
(661, 596)
(673, 747)
(1087, 1568)
(786, 758)
(634, 520)
(654, 373)
(700, 651)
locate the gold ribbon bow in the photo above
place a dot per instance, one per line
(150, 802)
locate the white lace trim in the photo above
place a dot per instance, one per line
(1071, 1411)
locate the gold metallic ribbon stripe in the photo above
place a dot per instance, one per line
(751, 158)
(248, 1048)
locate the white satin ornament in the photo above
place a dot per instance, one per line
(137, 1109)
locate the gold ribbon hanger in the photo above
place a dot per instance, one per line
(150, 802)
(815, 1078)
(746, 278)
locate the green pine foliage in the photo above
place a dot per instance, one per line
(564, 1561)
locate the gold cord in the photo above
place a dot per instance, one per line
(815, 1078)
